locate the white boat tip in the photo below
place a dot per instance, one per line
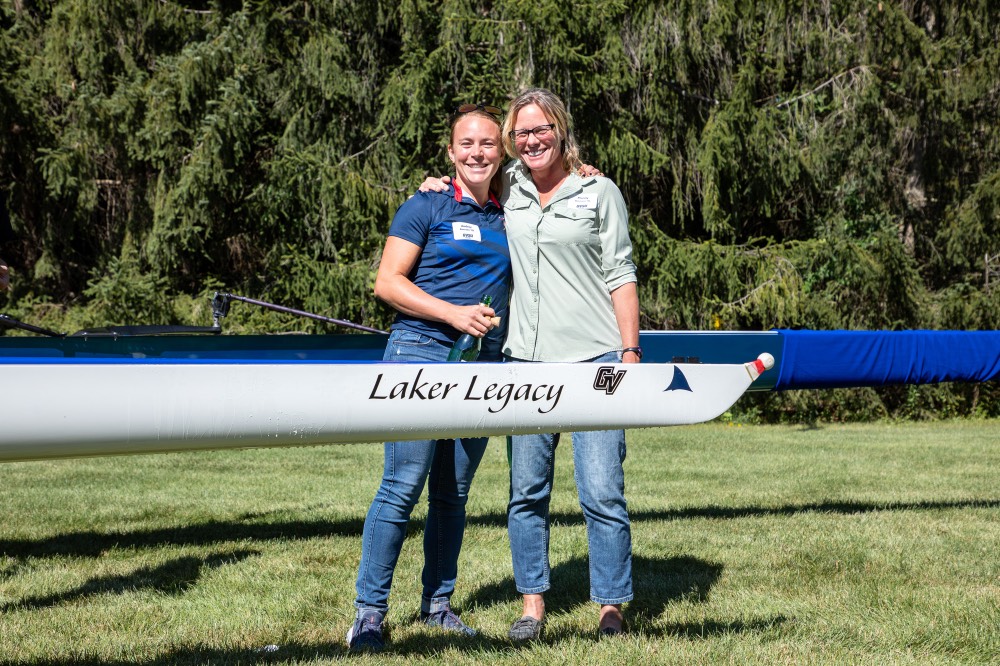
(758, 367)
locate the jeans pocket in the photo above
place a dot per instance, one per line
(411, 346)
(411, 339)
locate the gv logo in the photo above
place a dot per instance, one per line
(607, 379)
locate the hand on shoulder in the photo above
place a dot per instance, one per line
(432, 184)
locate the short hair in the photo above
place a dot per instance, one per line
(556, 112)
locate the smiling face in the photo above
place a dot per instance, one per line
(476, 151)
(541, 155)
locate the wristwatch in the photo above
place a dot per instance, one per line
(635, 350)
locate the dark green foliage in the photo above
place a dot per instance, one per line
(804, 164)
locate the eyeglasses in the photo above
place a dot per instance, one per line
(469, 108)
(540, 132)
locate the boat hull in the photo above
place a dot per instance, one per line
(67, 408)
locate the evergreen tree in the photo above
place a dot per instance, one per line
(785, 164)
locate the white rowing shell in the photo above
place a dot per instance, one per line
(66, 409)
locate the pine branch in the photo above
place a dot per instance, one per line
(359, 153)
(771, 282)
(188, 11)
(826, 83)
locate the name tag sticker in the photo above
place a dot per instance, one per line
(583, 201)
(466, 231)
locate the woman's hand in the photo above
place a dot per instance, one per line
(586, 171)
(4, 276)
(432, 184)
(473, 319)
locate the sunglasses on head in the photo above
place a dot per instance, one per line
(469, 108)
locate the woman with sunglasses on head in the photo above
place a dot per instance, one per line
(444, 251)
(574, 299)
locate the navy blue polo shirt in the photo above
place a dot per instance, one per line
(464, 257)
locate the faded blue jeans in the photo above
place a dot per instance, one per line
(447, 466)
(600, 483)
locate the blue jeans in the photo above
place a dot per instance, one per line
(600, 483)
(447, 465)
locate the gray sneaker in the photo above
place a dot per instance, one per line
(447, 620)
(526, 629)
(367, 632)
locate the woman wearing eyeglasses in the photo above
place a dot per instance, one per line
(445, 250)
(574, 300)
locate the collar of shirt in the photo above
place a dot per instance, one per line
(520, 176)
(460, 195)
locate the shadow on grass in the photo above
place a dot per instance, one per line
(173, 578)
(93, 543)
(197, 655)
(659, 582)
(474, 649)
(497, 519)
(701, 630)
(478, 647)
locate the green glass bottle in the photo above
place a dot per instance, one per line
(466, 348)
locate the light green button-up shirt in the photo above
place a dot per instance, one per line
(567, 259)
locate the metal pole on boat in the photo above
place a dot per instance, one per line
(220, 308)
(10, 322)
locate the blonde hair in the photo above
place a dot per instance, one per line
(556, 112)
(496, 182)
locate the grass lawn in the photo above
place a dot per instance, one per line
(841, 544)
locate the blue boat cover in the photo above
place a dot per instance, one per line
(840, 359)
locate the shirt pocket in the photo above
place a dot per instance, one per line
(520, 218)
(573, 226)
